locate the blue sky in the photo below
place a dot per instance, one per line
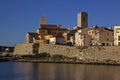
(20, 16)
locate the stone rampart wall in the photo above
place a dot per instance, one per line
(92, 53)
(97, 53)
(23, 49)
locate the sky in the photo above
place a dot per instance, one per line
(17, 17)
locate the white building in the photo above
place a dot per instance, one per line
(82, 38)
(117, 35)
(56, 40)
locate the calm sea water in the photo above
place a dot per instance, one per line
(51, 71)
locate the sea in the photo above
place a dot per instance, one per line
(57, 71)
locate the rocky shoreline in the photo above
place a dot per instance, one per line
(72, 61)
(113, 63)
(109, 55)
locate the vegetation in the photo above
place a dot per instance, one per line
(57, 57)
(43, 55)
(47, 56)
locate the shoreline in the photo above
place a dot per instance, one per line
(11, 59)
(69, 62)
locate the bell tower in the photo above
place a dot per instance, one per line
(42, 20)
(82, 19)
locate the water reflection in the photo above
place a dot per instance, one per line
(45, 71)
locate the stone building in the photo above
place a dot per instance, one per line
(117, 35)
(70, 37)
(31, 37)
(48, 30)
(42, 20)
(82, 38)
(101, 36)
(82, 19)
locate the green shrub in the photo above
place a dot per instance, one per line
(57, 57)
(42, 55)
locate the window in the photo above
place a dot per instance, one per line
(49, 32)
(107, 39)
(118, 38)
(84, 18)
(118, 43)
(42, 31)
(112, 34)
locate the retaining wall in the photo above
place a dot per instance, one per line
(93, 53)
(23, 49)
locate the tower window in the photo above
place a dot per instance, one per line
(84, 18)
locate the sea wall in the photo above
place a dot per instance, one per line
(96, 54)
(91, 53)
(23, 49)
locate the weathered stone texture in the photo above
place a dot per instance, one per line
(96, 53)
(23, 49)
(91, 53)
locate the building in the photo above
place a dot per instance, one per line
(82, 19)
(45, 31)
(101, 36)
(117, 35)
(31, 37)
(57, 40)
(70, 37)
(50, 29)
(42, 20)
(82, 38)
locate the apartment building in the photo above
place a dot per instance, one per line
(101, 36)
(117, 35)
(82, 38)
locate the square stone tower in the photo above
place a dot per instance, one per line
(42, 20)
(82, 19)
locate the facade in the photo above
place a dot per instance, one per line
(117, 35)
(101, 36)
(31, 37)
(70, 37)
(50, 29)
(82, 38)
(45, 32)
(56, 40)
(81, 35)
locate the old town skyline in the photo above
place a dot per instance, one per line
(19, 17)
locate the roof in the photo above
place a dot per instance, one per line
(101, 29)
(50, 26)
(35, 35)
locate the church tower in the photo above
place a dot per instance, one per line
(82, 19)
(42, 20)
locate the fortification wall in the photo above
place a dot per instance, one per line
(23, 49)
(93, 53)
